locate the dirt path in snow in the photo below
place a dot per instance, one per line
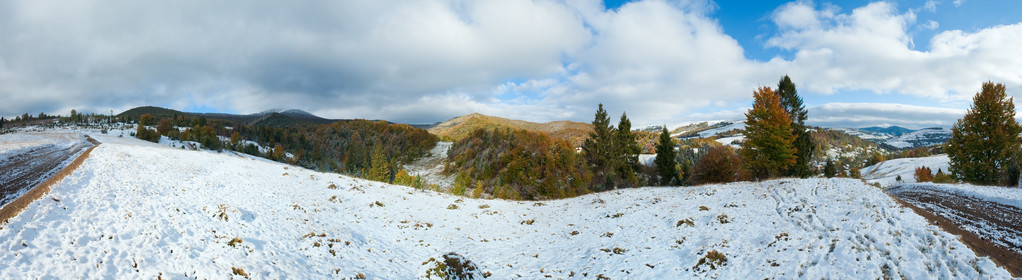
(989, 228)
(29, 175)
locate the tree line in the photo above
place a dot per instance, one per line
(361, 148)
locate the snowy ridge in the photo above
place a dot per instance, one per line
(867, 135)
(143, 210)
(887, 172)
(920, 138)
(712, 132)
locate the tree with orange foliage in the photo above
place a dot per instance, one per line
(163, 126)
(145, 120)
(720, 165)
(924, 174)
(768, 150)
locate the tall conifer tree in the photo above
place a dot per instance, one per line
(768, 149)
(597, 149)
(792, 104)
(665, 164)
(984, 145)
(626, 152)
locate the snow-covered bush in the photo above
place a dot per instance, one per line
(452, 267)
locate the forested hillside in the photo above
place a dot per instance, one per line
(462, 127)
(517, 164)
(347, 146)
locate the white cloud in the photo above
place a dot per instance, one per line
(423, 61)
(857, 115)
(931, 25)
(930, 6)
(959, 2)
(870, 49)
(256, 55)
(796, 15)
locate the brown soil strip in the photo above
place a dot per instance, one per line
(15, 207)
(1010, 261)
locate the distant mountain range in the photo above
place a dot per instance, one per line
(891, 137)
(892, 130)
(275, 117)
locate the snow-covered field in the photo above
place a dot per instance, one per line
(992, 213)
(887, 172)
(16, 143)
(30, 157)
(141, 210)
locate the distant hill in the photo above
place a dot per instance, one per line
(156, 112)
(892, 130)
(276, 117)
(920, 138)
(458, 128)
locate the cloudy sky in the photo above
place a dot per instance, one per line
(856, 63)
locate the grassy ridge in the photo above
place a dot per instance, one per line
(462, 127)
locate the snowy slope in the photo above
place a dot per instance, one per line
(887, 172)
(868, 135)
(711, 132)
(920, 138)
(19, 142)
(141, 210)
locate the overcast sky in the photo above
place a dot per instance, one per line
(910, 63)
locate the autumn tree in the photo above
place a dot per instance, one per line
(792, 104)
(163, 126)
(984, 144)
(278, 153)
(923, 174)
(768, 149)
(720, 165)
(144, 133)
(665, 163)
(235, 138)
(145, 120)
(380, 168)
(597, 149)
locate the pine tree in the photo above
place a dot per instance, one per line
(597, 150)
(768, 149)
(984, 144)
(797, 112)
(665, 159)
(380, 167)
(626, 153)
(829, 170)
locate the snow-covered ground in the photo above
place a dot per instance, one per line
(733, 141)
(711, 132)
(992, 213)
(29, 156)
(141, 210)
(431, 167)
(19, 142)
(1010, 196)
(887, 172)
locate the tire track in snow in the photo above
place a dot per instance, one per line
(41, 170)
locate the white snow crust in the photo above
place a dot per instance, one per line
(142, 210)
